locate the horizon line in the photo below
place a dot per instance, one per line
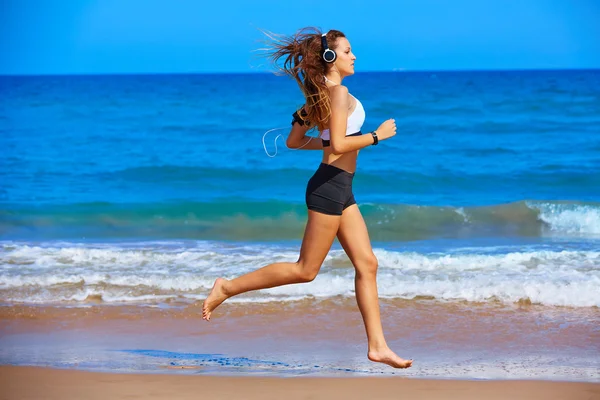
(396, 70)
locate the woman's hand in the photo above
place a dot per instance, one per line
(387, 129)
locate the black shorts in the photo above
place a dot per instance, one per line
(329, 191)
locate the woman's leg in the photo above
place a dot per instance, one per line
(354, 238)
(318, 237)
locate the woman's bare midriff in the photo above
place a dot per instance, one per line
(346, 161)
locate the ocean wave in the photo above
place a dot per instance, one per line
(570, 218)
(147, 274)
(274, 220)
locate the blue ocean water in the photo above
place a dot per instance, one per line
(106, 172)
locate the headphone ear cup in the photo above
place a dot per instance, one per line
(329, 55)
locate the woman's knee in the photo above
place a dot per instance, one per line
(368, 265)
(305, 272)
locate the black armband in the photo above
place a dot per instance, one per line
(300, 118)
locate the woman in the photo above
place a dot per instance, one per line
(319, 63)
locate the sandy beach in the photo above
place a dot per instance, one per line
(67, 384)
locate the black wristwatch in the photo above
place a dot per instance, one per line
(375, 138)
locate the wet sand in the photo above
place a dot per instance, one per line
(28, 383)
(307, 339)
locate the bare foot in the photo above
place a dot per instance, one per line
(215, 298)
(387, 356)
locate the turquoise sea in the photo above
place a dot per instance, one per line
(139, 189)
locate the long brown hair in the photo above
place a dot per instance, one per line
(301, 54)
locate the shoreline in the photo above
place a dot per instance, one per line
(63, 384)
(306, 339)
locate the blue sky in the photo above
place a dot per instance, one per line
(196, 36)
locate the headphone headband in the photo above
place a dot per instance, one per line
(328, 55)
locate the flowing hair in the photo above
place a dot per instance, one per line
(300, 56)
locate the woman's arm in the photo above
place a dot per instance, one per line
(340, 143)
(297, 138)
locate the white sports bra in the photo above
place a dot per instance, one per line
(355, 122)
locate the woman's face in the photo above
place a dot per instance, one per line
(345, 58)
